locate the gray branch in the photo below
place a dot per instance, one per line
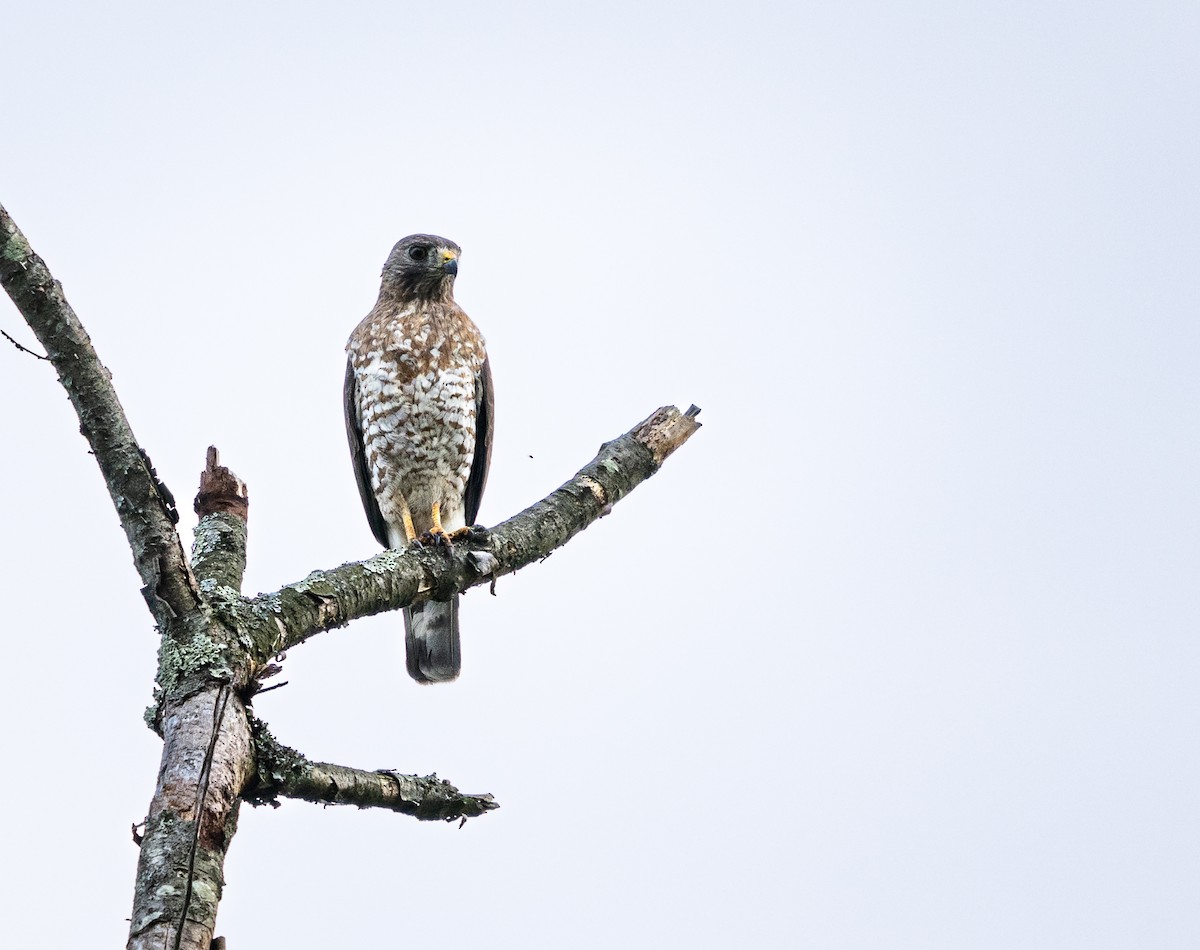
(144, 506)
(285, 772)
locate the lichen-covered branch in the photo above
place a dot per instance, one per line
(285, 772)
(219, 541)
(144, 506)
(391, 580)
(208, 754)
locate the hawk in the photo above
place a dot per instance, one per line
(418, 400)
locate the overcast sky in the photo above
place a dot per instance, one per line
(900, 651)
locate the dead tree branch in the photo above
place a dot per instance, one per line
(285, 772)
(144, 512)
(217, 645)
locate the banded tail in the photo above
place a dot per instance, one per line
(431, 641)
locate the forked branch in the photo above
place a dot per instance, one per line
(218, 644)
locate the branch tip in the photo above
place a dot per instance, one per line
(666, 430)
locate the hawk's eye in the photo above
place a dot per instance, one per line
(418, 253)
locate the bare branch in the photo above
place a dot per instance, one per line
(393, 579)
(145, 514)
(284, 771)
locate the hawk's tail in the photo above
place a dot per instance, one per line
(431, 641)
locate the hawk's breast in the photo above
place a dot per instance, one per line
(416, 374)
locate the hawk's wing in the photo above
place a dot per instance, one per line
(484, 415)
(358, 457)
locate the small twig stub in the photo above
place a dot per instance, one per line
(220, 490)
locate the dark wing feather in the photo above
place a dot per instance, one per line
(358, 456)
(484, 416)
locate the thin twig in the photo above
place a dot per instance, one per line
(24, 349)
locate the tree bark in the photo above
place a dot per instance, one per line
(207, 760)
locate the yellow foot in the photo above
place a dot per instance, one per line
(435, 538)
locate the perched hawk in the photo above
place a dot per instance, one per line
(418, 402)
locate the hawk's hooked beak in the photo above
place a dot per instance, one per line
(449, 263)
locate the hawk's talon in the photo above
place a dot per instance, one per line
(435, 539)
(472, 532)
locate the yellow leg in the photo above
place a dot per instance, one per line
(410, 533)
(437, 520)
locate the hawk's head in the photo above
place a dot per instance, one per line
(422, 265)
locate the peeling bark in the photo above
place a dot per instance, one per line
(207, 759)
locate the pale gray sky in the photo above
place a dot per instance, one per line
(899, 652)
